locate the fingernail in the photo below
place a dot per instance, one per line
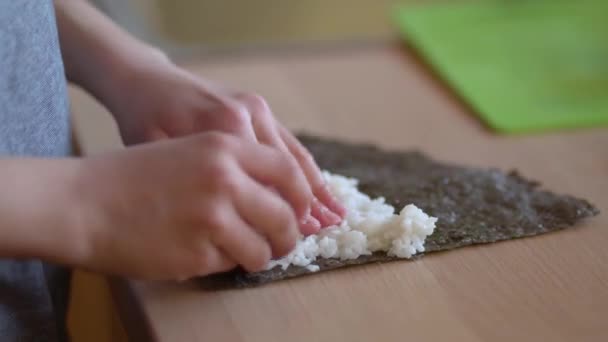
(306, 213)
(330, 217)
(332, 203)
(337, 208)
(310, 224)
(309, 219)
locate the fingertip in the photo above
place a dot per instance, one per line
(331, 202)
(304, 193)
(325, 216)
(226, 264)
(285, 241)
(303, 210)
(309, 225)
(260, 261)
(303, 215)
(336, 207)
(182, 279)
(331, 219)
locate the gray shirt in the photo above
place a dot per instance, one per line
(34, 122)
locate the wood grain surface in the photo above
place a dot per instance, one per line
(548, 288)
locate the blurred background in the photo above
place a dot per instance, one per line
(220, 25)
(520, 65)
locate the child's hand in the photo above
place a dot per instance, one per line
(161, 100)
(189, 207)
(195, 205)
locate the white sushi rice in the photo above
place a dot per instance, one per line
(370, 225)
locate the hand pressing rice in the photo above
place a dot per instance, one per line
(370, 226)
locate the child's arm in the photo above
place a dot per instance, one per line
(99, 55)
(152, 99)
(37, 208)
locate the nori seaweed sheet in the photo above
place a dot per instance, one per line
(473, 205)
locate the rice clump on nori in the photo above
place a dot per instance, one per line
(371, 225)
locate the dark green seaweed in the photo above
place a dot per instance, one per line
(473, 205)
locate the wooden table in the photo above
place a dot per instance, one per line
(548, 288)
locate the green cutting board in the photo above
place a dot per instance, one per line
(522, 65)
